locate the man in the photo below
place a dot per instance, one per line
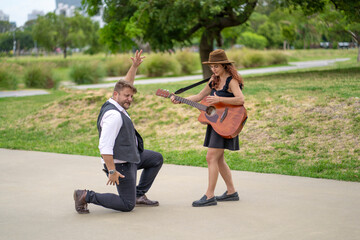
(122, 152)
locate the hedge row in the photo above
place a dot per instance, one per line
(37, 72)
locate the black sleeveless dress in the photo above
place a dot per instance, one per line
(212, 138)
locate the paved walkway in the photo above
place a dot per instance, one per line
(294, 66)
(36, 203)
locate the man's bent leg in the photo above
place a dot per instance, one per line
(125, 201)
(151, 163)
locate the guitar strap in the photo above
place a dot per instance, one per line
(181, 90)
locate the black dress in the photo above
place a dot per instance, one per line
(212, 138)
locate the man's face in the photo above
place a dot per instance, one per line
(124, 97)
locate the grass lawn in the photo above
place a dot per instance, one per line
(300, 123)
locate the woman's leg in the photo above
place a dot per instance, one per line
(225, 173)
(212, 157)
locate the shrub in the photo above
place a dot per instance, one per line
(276, 57)
(159, 64)
(189, 61)
(7, 79)
(85, 73)
(253, 59)
(253, 40)
(118, 66)
(39, 77)
(237, 56)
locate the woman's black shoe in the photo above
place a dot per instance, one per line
(203, 202)
(225, 197)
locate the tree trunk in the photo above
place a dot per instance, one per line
(64, 51)
(206, 46)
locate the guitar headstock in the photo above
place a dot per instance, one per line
(163, 93)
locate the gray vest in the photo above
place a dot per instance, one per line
(125, 143)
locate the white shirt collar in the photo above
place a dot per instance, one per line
(118, 106)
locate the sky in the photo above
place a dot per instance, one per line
(18, 10)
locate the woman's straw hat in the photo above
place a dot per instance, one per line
(218, 56)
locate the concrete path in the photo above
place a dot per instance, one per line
(36, 203)
(22, 93)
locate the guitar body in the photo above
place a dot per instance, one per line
(227, 120)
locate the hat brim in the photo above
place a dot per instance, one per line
(219, 62)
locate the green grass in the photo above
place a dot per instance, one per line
(304, 123)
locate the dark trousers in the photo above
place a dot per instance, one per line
(150, 162)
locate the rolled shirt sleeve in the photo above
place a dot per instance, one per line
(110, 124)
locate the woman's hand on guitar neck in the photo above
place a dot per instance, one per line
(173, 100)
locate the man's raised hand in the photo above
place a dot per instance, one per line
(137, 59)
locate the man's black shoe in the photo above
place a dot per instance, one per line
(225, 197)
(203, 202)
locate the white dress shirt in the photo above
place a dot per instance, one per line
(111, 123)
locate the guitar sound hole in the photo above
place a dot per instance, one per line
(211, 111)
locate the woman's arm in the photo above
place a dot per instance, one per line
(238, 98)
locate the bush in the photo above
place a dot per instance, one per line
(39, 77)
(237, 56)
(159, 64)
(118, 66)
(253, 59)
(85, 73)
(253, 40)
(189, 61)
(276, 57)
(7, 79)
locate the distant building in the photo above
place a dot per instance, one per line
(64, 9)
(68, 7)
(34, 14)
(3, 16)
(75, 3)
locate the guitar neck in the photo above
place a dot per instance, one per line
(199, 106)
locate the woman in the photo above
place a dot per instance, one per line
(224, 86)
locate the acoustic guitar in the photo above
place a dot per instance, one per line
(226, 119)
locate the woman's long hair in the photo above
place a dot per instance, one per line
(230, 68)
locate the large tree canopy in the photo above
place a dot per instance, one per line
(165, 23)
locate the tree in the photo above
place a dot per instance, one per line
(5, 26)
(165, 23)
(53, 31)
(349, 9)
(23, 40)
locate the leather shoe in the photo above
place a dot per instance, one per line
(226, 197)
(80, 203)
(203, 202)
(144, 201)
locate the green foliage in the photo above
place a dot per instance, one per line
(252, 40)
(8, 80)
(253, 59)
(189, 61)
(271, 31)
(159, 64)
(39, 77)
(118, 66)
(276, 58)
(86, 73)
(53, 30)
